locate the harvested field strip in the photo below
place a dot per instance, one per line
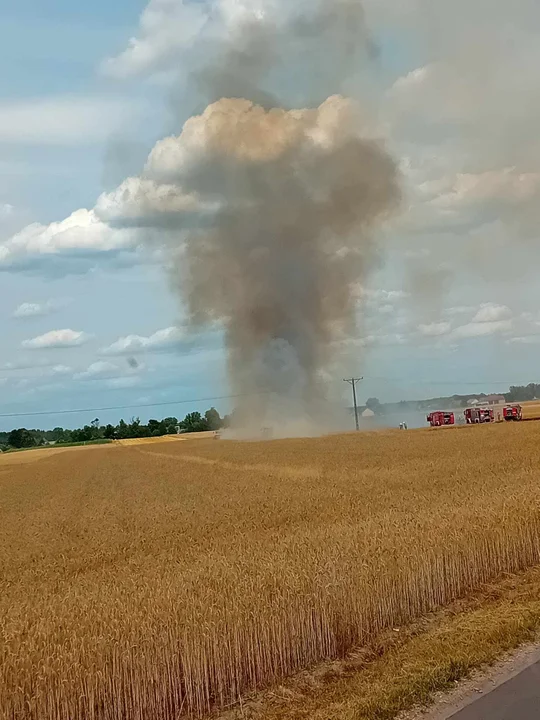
(217, 464)
(138, 585)
(148, 441)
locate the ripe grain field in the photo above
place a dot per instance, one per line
(151, 582)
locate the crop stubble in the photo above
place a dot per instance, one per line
(149, 582)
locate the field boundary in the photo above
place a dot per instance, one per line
(424, 671)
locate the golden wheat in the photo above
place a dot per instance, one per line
(144, 584)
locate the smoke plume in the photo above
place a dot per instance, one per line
(289, 201)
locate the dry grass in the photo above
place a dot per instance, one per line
(146, 583)
(531, 409)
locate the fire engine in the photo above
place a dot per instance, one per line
(436, 419)
(513, 412)
(474, 416)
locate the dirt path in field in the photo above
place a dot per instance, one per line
(268, 469)
(149, 441)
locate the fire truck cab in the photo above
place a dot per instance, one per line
(513, 413)
(439, 418)
(474, 416)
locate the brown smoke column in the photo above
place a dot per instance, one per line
(296, 197)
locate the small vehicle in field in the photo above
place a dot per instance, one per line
(513, 413)
(440, 418)
(475, 416)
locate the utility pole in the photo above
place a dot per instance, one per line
(354, 382)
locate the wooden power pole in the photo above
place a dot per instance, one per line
(354, 382)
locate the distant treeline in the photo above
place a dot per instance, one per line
(193, 422)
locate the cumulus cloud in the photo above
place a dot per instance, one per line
(525, 340)
(483, 329)
(144, 202)
(57, 339)
(491, 312)
(168, 339)
(69, 120)
(61, 370)
(30, 310)
(80, 237)
(100, 369)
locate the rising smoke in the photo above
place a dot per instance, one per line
(290, 200)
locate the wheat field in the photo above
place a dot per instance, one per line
(153, 582)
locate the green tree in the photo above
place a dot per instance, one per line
(194, 422)
(170, 423)
(122, 431)
(213, 419)
(85, 434)
(21, 438)
(374, 405)
(110, 432)
(59, 435)
(157, 428)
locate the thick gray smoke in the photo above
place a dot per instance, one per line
(288, 202)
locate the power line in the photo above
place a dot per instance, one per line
(135, 406)
(126, 407)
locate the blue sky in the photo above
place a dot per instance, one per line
(454, 306)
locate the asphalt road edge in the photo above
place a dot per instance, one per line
(480, 683)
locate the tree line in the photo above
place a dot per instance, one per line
(523, 393)
(95, 432)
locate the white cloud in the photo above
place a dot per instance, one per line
(139, 201)
(68, 120)
(459, 310)
(167, 27)
(435, 329)
(80, 236)
(29, 310)
(167, 339)
(100, 369)
(525, 340)
(57, 339)
(61, 370)
(491, 312)
(483, 329)
(6, 210)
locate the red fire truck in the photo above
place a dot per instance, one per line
(439, 418)
(477, 415)
(513, 412)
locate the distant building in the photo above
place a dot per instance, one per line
(368, 413)
(495, 399)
